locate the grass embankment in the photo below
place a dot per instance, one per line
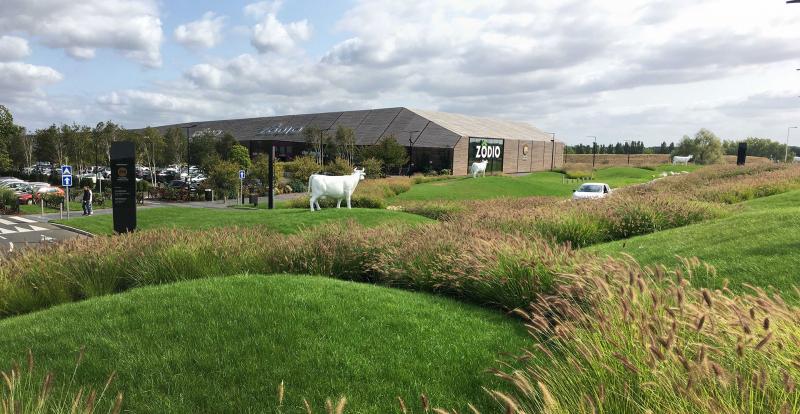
(758, 245)
(283, 220)
(225, 344)
(534, 184)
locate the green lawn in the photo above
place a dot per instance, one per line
(534, 184)
(758, 245)
(283, 220)
(224, 345)
(74, 207)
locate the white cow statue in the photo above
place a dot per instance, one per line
(681, 160)
(478, 168)
(334, 186)
(796, 160)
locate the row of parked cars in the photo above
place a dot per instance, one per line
(29, 192)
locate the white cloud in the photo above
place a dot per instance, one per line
(23, 79)
(262, 8)
(203, 33)
(636, 69)
(270, 35)
(13, 48)
(131, 27)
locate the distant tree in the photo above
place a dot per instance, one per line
(152, 147)
(45, 143)
(663, 148)
(224, 177)
(704, 146)
(389, 151)
(174, 147)
(8, 132)
(345, 142)
(759, 147)
(319, 141)
(203, 151)
(224, 146)
(240, 156)
(21, 149)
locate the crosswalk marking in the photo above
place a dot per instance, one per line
(12, 220)
(23, 220)
(15, 224)
(6, 222)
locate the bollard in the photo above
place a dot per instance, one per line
(61, 210)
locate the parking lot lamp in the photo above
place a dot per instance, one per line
(187, 127)
(411, 150)
(786, 153)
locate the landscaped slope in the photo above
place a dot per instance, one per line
(535, 184)
(225, 344)
(757, 246)
(283, 220)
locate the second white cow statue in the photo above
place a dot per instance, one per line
(478, 168)
(339, 187)
(676, 160)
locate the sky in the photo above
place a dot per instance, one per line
(649, 70)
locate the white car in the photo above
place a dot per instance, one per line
(591, 191)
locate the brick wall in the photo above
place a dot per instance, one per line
(461, 156)
(510, 156)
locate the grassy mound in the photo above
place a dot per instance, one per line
(757, 246)
(535, 184)
(284, 220)
(225, 344)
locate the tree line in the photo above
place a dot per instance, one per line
(756, 147)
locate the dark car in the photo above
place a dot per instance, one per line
(183, 185)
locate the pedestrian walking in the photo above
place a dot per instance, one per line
(87, 201)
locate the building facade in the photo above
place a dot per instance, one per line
(434, 140)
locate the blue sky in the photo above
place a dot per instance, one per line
(649, 70)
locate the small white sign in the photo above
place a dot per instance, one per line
(66, 180)
(241, 174)
(66, 170)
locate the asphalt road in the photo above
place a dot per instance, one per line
(18, 232)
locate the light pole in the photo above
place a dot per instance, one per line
(594, 151)
(187, 127)
(786, 153)
(552, 150)
(411, 150)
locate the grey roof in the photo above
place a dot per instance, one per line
(427, 128)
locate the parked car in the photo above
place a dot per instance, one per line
(47, 190)
(591, 191)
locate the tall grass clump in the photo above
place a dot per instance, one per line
(23, 391)
(471, 263)
(650, 342)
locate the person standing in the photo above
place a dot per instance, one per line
(87, 201)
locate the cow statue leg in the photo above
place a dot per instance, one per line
(316, 203)
(348, 201)
(311, 202)
(339, 203)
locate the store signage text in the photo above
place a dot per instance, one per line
(280, 129)
(485, 151)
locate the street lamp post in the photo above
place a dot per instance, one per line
(594, 151)
(187, 127)
(411, 150)
(786, 153)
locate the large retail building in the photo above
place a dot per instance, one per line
(436, 140)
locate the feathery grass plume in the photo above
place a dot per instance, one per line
(281, 391)
(403, 408)
(763, 342)
(425, 403)
(340, 405)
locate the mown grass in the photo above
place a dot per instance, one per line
(281, 220)
(225, 344)
(75, 208)
(534, 184)
(756, 246)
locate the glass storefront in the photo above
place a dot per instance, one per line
(489, 149)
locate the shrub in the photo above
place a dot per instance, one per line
(446, 171)
(579, 175)
(339, 166)
(52, 200)
(373, 167)
(302, 167)
(8, 200)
